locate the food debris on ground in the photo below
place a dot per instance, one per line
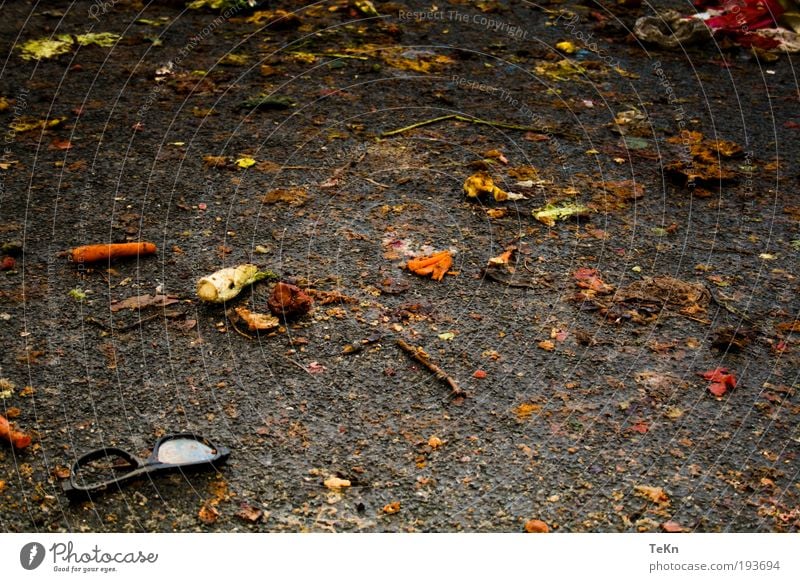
(721, 381)
(227, 283)
(436, 265)
(289, 301)
(550, 213)
(536, 526)
(105, 252)
(482, 183)
(257, 321)
(16, 438)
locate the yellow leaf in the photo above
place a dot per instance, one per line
(245, 162)
(98, 38)
(26, 123)
(566, 46)
(46, 48)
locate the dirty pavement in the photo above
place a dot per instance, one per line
(478, 266)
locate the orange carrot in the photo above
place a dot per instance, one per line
(18, 439)
(435, 265)
(93, 253)
(442, 267)
(422, 262)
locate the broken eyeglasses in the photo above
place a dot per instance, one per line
(101, 469)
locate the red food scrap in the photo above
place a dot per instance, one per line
(721, 381)
(289, 301)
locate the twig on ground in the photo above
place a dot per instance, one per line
(423, 358)
(727, 307)
(135, 324)
(476, 121)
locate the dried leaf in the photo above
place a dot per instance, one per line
(26, 123)
(563, 70)
(666, 291)
(418, 61)
(654, 494)
(249, 513)
(590, 279)
(245, 162)
(46, 48)
(526, 409)
(215, 161)
(289, 301)
(546, 345)
(143, 301)
(208, 513)
(291, 196)
(104, 39)
(672, 527)
(552, 212)
(257, 321)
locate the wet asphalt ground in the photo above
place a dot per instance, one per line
(590, 417)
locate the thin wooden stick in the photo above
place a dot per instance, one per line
(423, 358)
(416, 125)
(727, 307)
(476, 120)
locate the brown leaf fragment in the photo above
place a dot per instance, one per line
(526, 409)
(215, 161)
(249, 513)
(589, 279)
(292, 196)
(666, 291)
(208, 513)
(143, 301)
(672, 527)
(546, 345)
(654, 494)
(257, 321)
(393, 286)
(60, 472)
